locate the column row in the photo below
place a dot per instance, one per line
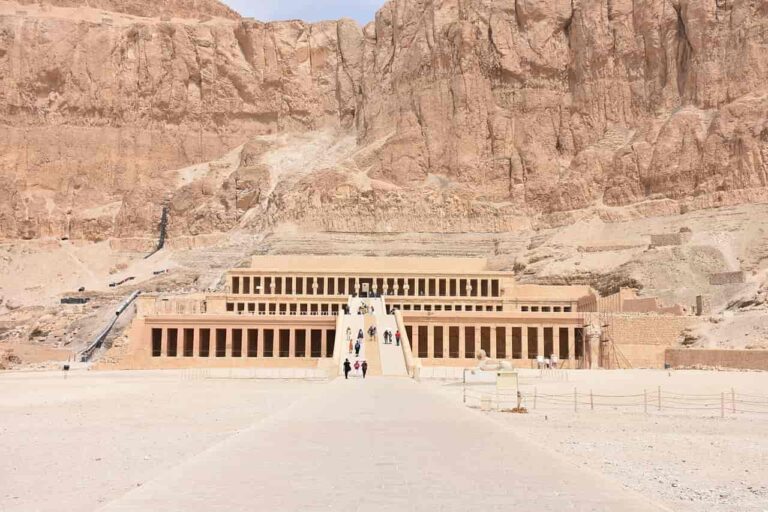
(398, 286)
(286, 308)
(237, 342)
(498, 341)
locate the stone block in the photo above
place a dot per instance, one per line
(703, 305)
(723, 278)
(667, 239)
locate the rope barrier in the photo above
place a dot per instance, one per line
(764, 397)
(717, 395)
(751, 402)
(658, 399)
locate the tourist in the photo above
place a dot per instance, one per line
(347, 368)
(365, 368)
(360, 334)
(349, 334)
(350, 346)
(357, 367)
(397, 337)
(357, 349)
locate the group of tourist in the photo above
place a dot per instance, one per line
(365, 309)
(358, 366)
(388, 337)
(357, 344)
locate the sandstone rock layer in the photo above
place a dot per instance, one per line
(463, 116)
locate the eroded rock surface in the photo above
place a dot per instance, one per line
(442, 116)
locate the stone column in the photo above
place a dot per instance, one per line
(524, 341)
(556, 341)
(571, 343)
(593, 338)
(196, 342)
(508, 342)
(292, 343)
(416, 286)
(415, 341)
(540, 340)
(492, 342)
(260, 346)
(431, 341)
(228, 343)
(164, 342)
(323, 341)
(462, 342)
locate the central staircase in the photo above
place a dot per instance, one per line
(383, 358)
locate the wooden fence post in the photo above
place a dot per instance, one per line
(659, 397)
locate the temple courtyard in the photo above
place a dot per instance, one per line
(205, 440)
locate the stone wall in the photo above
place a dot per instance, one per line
(724, 278)
(643, 339)
(741, 359)
(670, 239)
(703, 305)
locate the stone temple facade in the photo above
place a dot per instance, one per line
(307, 312)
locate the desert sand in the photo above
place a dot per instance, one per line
(689, 460)
(94, 439)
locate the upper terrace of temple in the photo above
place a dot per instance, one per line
(390, 276)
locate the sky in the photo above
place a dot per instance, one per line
(308, 10)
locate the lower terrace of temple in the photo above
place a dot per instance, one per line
(454, 309)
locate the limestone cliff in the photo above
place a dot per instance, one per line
(439, 116)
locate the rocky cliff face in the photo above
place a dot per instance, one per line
(158, 8)
(462, 116)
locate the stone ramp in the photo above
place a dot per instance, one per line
(354, 323)
(381, 445)
(392, 356)
(371, 347)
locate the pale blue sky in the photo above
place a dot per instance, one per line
(307, 10)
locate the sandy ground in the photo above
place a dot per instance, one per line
(72, 444)
(690, 460)
(79, 442)
(37, 273)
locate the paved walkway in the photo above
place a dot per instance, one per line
(378, 444)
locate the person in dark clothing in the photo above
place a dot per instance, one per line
(347, 368)
(357, 349)
(365, 368)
